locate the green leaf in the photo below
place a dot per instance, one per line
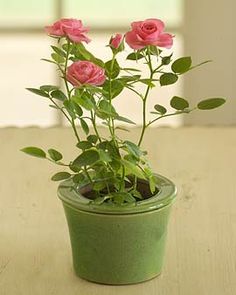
(38, 92)
(67, 47)
(126, 79)
(123, 119)
(112, 68)
(81, 53)
(100, 200)
(48, 60)
(133, 148)
(110, 147)
(104, 156)
(122, 128)
(168, 79)
(113, 89)
(179, 103)
(134, 56)
(136, 194)
(77, 109)
(182, 65)
(75, 168)
(54, 107)
(78, 178)
(34, 151)
(84, 101)
(129, 198)
(57, 58)
(69, 107)
(210, 103)
(115, 164)
(92, 138)
(118, 198)
(88, 157)
(131, 158)
(84, 145)
(107, 109)
(60, 176)
(152, 184)
(59, 51)
(58, 94)
(147, 82)
(100, 185)
(160, 109)
(133, 169)
(154, 50)
(84, 126)
(55, 155)
(48, 88)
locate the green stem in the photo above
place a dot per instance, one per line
(111, 120)
(68, 89)
(61, 109)
(74, 129)
(144, 125)
(58, 163)
(93, 119)
(135, 91)
(122, 183)
(168, 115)
(87, 174)
(66, 64)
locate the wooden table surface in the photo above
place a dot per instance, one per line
(35, 255)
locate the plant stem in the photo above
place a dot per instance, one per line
(168, 115)
(61, 109)
(111, 120)
(93, 119)
(87, 174)
(135, 91)
(64, 74)
(58, 163)
(145, 97)
(72, 121)
(75, 131)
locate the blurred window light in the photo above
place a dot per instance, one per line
(25, 13)
(20, 68)
(108, 13)
(24, 43)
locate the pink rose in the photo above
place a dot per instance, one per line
(116, 40)
(69, 27)
(85, 72)
(148, 32)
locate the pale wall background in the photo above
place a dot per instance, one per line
(204, 29)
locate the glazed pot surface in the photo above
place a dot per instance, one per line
(111, 245)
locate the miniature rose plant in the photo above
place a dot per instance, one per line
(112, 166)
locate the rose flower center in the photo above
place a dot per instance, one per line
(150, 28)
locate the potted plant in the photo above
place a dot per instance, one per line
(117, 207)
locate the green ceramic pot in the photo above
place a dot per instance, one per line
(118, 244)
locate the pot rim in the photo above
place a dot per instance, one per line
(71, 196)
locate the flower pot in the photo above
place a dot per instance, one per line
(118, 244)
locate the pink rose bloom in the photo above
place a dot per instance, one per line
(116, 40)
(148, 32)
(69, 27)
(85, 72)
